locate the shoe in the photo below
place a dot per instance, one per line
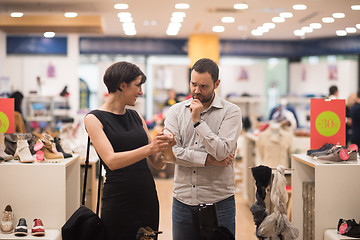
(4, 155)
(335, 148)
(7, 220)
(348, 228)
(21, 228)
(339, 155)
(349, 154)
(38, 228)
(144, 234)
(23, 152)
(324, 147)
(1, 159)
(59, 147)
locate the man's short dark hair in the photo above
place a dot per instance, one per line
(204, 65)
(333, 90)
(121, 72)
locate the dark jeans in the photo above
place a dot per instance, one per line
(185, 220)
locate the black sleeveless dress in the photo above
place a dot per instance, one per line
(129, 195)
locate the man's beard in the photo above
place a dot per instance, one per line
(204, 99)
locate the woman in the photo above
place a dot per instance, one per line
(123, 143)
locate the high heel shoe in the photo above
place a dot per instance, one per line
(22, 152)
(59, 147)
(4, 155)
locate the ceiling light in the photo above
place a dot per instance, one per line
(176, 19)
(153, 22)
(355, 7)
(228, 19)
(256, 32)
(299, 33)
(172, 32)
(126, 19)
(315, 25)
(121, 6)
(307, 29)
(49, 34)
(269, 25)
(299, 7)
(241, 6)
(338, 15)
(175, 25)
(179, 14)
(278, 19)
(341, 33)
(242, 28)
(328, 19)
(16, 14)
(358, 26)
(182, 6)
(218, 29)
(70, 14)
(263, 29)
(286, 14)
(123, 14)
(350, 30)
(131, 32)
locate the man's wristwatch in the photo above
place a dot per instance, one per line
(197, 124)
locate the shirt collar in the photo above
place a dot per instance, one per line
(215, 103)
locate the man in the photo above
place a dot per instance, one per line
(206, 129)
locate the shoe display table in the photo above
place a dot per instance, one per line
(50, 234)
(336, 193)
(48, 191)
(331, 234)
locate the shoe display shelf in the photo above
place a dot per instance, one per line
(50, 234)
(336, 194)
(331, 234)
(48, 191)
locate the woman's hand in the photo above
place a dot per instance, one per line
(159, 143)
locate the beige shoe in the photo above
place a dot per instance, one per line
(23, 152)
(50, 153)
(4, 155)
(7, 220)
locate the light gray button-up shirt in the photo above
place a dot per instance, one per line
(217, 135)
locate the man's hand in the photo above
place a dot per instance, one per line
(210, 160)
(196, 107)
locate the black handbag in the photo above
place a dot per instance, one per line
(84, 224)
(11, 142)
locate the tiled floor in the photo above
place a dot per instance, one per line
(245, 227)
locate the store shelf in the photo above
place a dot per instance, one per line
(49, 191)
(50, 234)
(336, 192)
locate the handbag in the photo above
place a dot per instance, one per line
(84, 224)
(11, 142)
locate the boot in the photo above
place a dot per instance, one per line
(50, 153)
(23, 152)
(59, 147)
(4, 155)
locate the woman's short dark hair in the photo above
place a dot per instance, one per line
(121, 72)
(204, 65)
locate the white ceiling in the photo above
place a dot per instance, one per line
(200, 17)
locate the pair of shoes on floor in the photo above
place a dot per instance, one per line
(340, 154)
(37, 229)
(146, 233)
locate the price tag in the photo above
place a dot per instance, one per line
(327, 119)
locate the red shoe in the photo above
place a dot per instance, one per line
(38, 228)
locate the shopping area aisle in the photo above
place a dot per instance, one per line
(245, 227)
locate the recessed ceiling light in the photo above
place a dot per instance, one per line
(269, 25)
(242, 28)
(241, 6)
(358, 26)
(228, 19)
(16, 14)
(307, 29)
(153, 22)
(278, 19)
(176, 19)
(286, 14)
(256, 32)
(179, 14)
(124, 14)
(70, 14)
(315, 25)
(327, 19)
(182, 6)
(218, 28)
(299, 33)
(49, 34)
(263, 29)
(341, 33)
(350, 30)
(355, 7)
(338, 15)
(299, 7)
(121, 6)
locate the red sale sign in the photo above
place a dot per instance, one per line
(327, 122)
(7, 115)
